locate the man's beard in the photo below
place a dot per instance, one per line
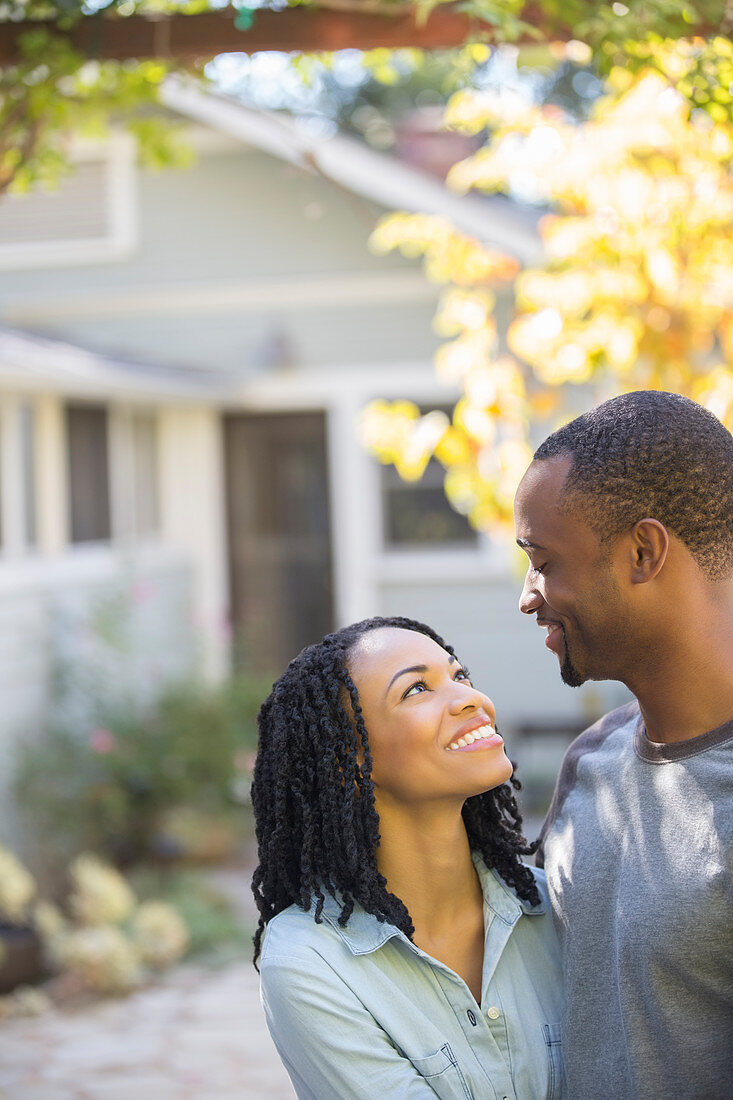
(568, 672)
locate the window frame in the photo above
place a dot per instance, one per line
(117, 155)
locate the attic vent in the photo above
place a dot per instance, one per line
(88, 219)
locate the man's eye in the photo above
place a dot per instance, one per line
(540, 569)
(413, 688)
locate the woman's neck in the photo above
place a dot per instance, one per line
(426, 859)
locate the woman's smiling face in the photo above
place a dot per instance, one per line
(431, 733)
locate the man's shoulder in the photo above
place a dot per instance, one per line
(589, 741)
(594, 736)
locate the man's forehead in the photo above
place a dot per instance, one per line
(545, 477)
(538, 512)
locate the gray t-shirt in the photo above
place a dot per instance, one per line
(637, 849)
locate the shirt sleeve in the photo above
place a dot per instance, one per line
(330, 1044)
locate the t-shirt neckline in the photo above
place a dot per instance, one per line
(656, 753)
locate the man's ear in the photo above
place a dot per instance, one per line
(648, 547)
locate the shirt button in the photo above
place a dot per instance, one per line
(494, 1013)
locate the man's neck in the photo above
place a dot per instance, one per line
(688, 689)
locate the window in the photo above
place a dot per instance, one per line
(89, 218)
(417, 513)
(88, 473)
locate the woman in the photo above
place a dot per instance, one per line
(408, 951)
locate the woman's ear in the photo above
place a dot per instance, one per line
(649, 547)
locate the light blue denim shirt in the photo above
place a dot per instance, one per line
(361, 1012)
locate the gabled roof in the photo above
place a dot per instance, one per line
(32, 363)
(353, 165)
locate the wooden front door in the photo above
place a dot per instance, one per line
(279, 535)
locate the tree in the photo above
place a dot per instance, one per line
(636, 290)
(71, 65)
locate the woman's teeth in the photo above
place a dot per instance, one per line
(481, 734)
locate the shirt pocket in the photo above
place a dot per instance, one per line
(553, 1042)
(442, 1072)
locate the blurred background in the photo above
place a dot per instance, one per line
(278, 333)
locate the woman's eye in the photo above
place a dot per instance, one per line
(462, 675)
(416, 688)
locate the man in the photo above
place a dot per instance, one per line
(626, 515)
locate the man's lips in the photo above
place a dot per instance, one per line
(555, 635)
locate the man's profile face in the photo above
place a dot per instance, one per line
(571, 583)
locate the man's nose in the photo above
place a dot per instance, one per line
(530, 599)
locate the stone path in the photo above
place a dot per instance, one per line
(198, 1034)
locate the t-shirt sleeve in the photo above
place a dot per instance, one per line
(330, 1044)
(588, 741)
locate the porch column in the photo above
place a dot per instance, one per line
(52, 501)
(192, 518)
(355, 521)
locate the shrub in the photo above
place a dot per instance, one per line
(108, 789)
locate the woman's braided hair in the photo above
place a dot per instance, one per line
(316, 822)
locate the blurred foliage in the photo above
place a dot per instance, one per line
(636, 289)
(103, 940)
(215, 930)
(53, 91)
(113, 789)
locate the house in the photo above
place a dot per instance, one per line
(184, 360)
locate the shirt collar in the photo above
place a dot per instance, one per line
(364, 933)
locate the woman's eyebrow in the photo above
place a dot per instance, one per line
(411, 668)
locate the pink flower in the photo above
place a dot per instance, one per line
(102, 741)
(142, 590)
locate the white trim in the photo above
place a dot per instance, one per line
(486, 561)
(243, 296)
(118, 157)
(37, 365)
(52, 489)
(11, 473)
(317, 388)
(354, 516)
(207, 142)
(353, 165)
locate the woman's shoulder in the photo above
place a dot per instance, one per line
(294, 934)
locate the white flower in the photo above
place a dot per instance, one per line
(100, 894)
(17, 887)
(101, 957)
(160, 934)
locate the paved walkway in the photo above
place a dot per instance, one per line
(198, 1034)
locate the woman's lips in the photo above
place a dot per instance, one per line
(492, 742)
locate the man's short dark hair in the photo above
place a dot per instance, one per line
(656, 455)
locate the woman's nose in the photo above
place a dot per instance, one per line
(469, 696)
